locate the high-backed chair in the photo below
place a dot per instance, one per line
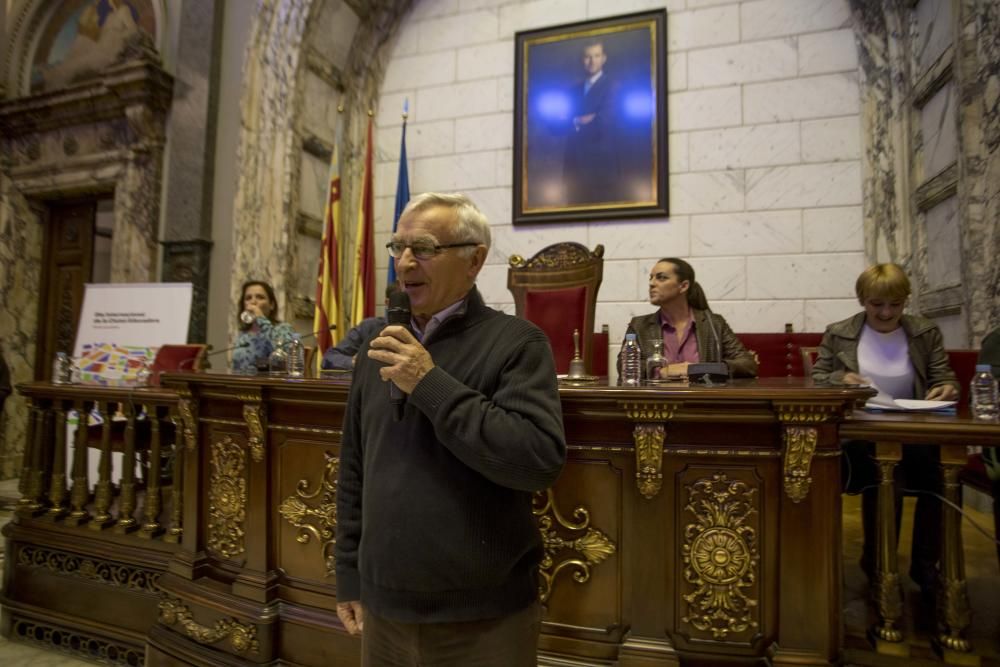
(557, 290)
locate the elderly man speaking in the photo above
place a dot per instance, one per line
(437, 549)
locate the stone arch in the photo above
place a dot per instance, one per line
(278, 58)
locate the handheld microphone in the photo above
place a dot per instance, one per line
(398, 312)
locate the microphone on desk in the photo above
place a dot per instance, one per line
(398, 312)
(710, 371)
(245, 343)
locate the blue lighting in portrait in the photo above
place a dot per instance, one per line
(637, 104)
(552, 105)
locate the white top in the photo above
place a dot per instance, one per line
(884, 358)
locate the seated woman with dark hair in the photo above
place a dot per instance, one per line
(690, 332)
(260, 330)
(902, 356)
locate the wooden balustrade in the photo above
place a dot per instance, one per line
(138, 424)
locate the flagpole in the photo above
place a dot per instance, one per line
(402, 187)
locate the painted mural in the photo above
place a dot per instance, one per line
(84, 37)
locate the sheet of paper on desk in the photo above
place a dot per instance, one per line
(885, 402)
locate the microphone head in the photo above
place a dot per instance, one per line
(398, 310)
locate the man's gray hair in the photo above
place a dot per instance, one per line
(472, 224)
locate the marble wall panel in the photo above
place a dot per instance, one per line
(505, 93)
(407, 42)
(708, 192)
(839, 229)
(623, 281)
(426, 9)
(703, 27)
(797, 99)
(804, 186)
(773, 232)
(944, 251)
(678, 152)
(822, 312)
(803, 276)
(313, 184)
(831, 139)
(742, 63)
(771, 18)
(645, 240)
(390, 107)
(765, 316)
(934, 28)
(539, 14)
(831, 51)
(457, 100)
(456, 172)
(677, 69)
(702, 109)
(484, 132)
(494, 203)
(418, 71)
(486, 61)
(526, 241)
(722, 278)
(451, 32)
(939, 132)
(599, 8)
(505, 168)
(320, 116)
(748, 146)
(20, 275)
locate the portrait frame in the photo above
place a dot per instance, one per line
(590, 120)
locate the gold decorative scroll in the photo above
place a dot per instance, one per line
(800, 445)
(721, 557)
(649, 458)
(648, 437)
(227, 499)
(584, 551)
(253, 416)
(93, 569)
(808, 413)
(189, 420)
(317, 520)
(243, 638)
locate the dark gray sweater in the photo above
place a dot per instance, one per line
(446, 533)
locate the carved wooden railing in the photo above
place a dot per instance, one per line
(140, 424)
(891, 433)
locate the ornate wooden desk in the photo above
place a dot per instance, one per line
(691, 524)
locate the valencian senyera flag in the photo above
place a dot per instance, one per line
(329, 309)
(364, 254)
(402, 190)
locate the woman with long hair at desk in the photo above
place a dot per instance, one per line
(260, 329)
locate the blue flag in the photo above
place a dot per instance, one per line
(402, 195)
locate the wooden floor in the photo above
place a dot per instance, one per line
(981, 562)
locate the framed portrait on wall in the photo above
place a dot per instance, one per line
(590, 120)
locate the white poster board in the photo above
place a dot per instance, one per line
(123, 324)
(121, 327)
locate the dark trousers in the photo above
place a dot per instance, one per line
(918, 471)
(510, 641)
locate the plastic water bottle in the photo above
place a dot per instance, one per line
(296, 358)
(983, 394)
(631, 362)
(277, 363)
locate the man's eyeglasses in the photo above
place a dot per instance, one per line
(424, 248)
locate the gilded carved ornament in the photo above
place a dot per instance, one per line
(800, 439)
(720, 556)
(242, 637)
(189, 419)
(648, 437)
(800, 445)
(253, 416)
(227, 499)
(580, 552)
(317, 520)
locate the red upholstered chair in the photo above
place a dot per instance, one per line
(778, 354)
(557, 290)
(177, 358)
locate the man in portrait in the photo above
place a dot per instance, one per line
(591, 165)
